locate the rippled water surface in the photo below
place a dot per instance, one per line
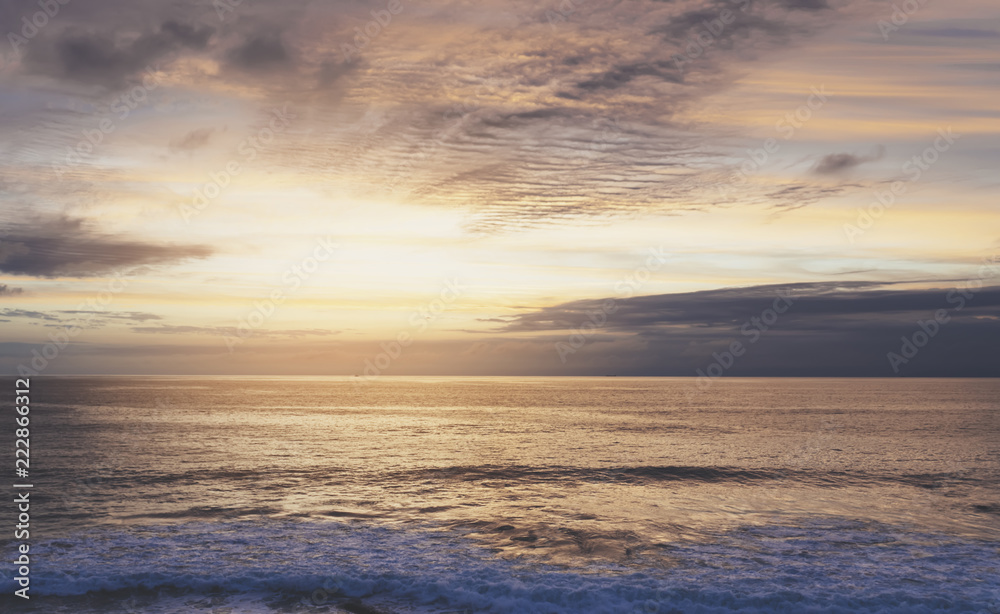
(543, 495)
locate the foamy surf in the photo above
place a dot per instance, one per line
(552, 496)
(817, 565)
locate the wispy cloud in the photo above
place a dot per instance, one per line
(60, 246)
(196, 139)
(231, 331)
(832, 164)
(31, 315)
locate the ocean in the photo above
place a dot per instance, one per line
(230, 495)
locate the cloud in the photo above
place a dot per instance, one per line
(260, 51)
(6, 290)
(517, 121)
(31, 315)
(230, 331)
(577, 123)
(832, 164)
(828, 328)
(623, 74)
(799, 195)
(195, 37)
(111, 59)
(731, 306)
(82, 318)
(61, 246)
(958, 32)
(679, 29)
(196, 139)
(130, 316)
(805, 5)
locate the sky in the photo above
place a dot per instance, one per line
(577, 187)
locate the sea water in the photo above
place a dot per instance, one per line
(521, 495)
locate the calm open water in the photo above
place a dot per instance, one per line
(521, 495)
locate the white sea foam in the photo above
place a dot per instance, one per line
(273, 495)
(818, 566)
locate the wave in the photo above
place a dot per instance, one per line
(824, 566)
(542, 474)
